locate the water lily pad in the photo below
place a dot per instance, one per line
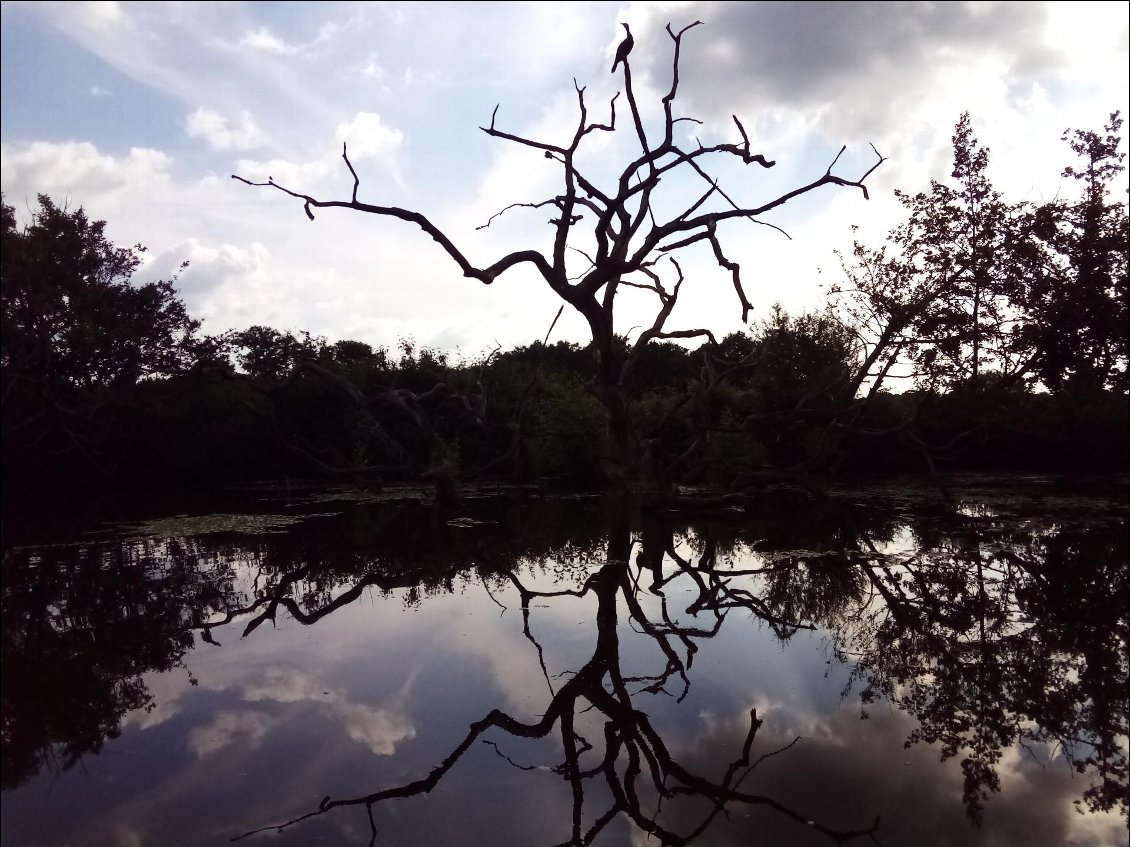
(181, 525)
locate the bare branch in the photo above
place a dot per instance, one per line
(518, 139)
(669, 98)
(827, 179)
(746, 156)
(484, 275)
(349, 164)
(503, 211)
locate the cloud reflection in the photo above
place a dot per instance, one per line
(847, 770)
(378, 729)
(247, 728)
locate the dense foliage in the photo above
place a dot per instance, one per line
(1010, 319)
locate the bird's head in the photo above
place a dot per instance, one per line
(626, 28)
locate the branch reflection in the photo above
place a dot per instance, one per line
(989, 632)
(632, 759)
(993, 637)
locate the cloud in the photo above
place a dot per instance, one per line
(77, 169)
(852, 66)
(808, 77)
(221, 134)
(100, 16)
(284, 686)
(371, 69)
(212, 268)
(167, 691)
(368, 137)
(262, 39)
(377, 729)
(306, 176)
(98, 91)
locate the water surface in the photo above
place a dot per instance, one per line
(893, 665)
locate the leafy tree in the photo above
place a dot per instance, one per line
(972, 284)
(267, 354)
(957, 251)
(82, 628)
(801, 383)
(562, 357)
(803, 362)
(71, 313)
(981, 639)
(79, 334)
(1075, 306)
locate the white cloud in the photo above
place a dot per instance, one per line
(221, 134)
(77, 169)
(99, 16)
(327, 31)
(283, 686)
(305, 176)
(262, 39)
(212, 269)
(368, 137)
(371, 69)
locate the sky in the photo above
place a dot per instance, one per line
(140, 113)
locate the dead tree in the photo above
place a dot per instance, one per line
(629, 236)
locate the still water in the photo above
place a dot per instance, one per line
(894, 665)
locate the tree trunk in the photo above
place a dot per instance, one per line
(620, 460)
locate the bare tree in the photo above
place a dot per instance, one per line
(629, 235)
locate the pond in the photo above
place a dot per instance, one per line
(894, 664)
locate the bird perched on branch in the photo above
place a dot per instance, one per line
(625, 48)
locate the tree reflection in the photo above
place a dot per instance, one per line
(989, 633)
(81, 625)
(997, 637)
(83, 621)
(642, 775)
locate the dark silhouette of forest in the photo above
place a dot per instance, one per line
(1012, 318)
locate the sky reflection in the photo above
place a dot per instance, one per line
(380, 690)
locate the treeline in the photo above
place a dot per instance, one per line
(300, 406)
(1008, 320)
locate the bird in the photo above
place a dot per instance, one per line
(625, 48)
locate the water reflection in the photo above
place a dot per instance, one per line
(1001, 635)
(996, 639)
(81, 624)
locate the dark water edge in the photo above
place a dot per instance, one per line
(184, 672)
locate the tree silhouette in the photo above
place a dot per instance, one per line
(942, 293)
(79, 334)
(1075, 304)
(630, 235)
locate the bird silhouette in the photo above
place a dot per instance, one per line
(625, 48)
